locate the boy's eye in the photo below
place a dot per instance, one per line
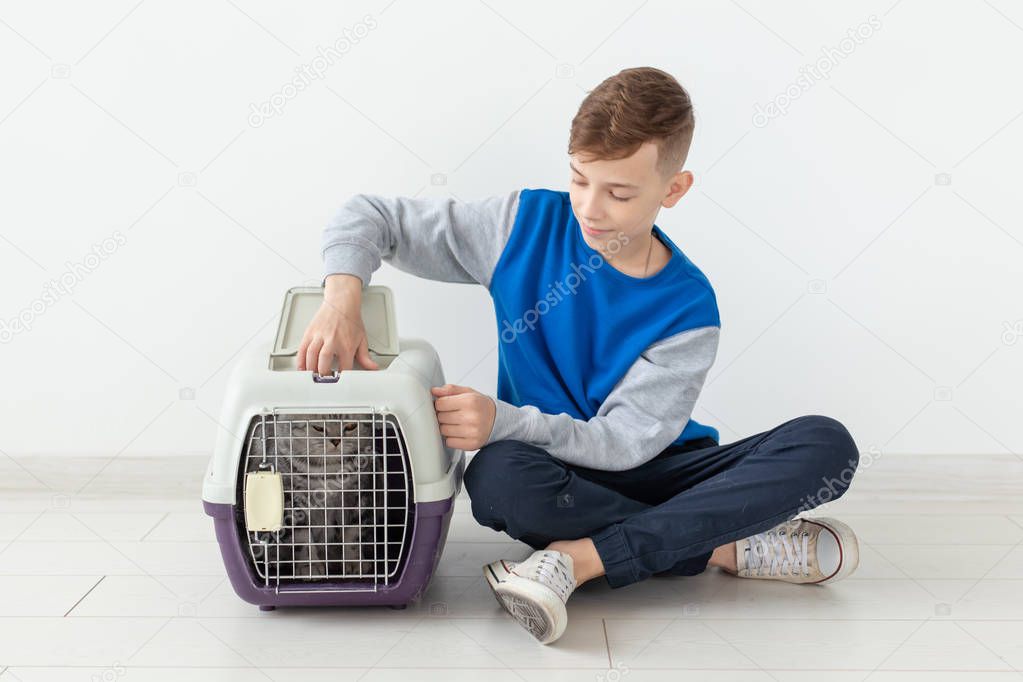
(616, 198)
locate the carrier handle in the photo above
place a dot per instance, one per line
(335, 375)
(332, 379)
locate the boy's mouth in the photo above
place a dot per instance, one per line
(592, 232)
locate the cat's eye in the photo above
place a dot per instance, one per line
(350, 427)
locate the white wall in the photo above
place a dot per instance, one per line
(853, 279)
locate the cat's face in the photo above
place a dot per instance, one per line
(300, 439)
(333, 435)
(351, 436)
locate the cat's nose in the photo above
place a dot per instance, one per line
(334, 441)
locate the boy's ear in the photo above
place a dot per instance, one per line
(677, 187)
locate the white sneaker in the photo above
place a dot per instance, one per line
(534, 591)
(816, 551)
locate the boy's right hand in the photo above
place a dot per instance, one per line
(336, 329)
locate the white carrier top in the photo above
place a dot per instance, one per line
(264, 381)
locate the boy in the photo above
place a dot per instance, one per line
(607, 331)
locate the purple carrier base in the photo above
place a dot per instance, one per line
(429, 532)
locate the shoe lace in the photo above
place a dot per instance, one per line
(551, 570)
(780, 552)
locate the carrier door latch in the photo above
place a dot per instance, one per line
(264, 501)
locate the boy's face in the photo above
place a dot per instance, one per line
(612, 198)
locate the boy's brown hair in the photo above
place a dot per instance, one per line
(634, 106)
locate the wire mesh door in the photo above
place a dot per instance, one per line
(347, 498)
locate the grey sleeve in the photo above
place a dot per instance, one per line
(436, 238)
(645, 412)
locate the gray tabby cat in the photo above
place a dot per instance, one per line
(331, 478)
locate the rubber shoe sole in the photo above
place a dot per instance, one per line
(848, 545)
(495, 572)
(536, 607)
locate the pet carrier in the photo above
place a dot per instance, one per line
(332, 490)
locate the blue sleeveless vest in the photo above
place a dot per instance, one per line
(570, 325)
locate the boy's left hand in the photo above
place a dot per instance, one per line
(466, 416)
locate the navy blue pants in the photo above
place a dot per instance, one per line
(667, 515)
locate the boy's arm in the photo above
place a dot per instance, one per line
(436, 238)
(644, 413)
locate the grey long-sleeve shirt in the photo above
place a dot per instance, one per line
(449, 240)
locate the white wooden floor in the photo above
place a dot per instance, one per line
(109, 570)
